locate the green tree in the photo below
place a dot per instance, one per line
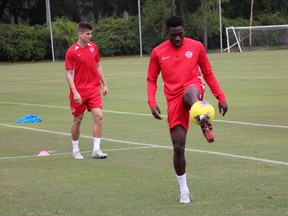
(154, 16)
(99, 9)
(204, 23)
(16, 11)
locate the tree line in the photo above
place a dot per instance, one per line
(115, 23)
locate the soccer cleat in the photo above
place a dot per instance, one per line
(77, 155)
(99, 154)
(185, 197)
(207, 129)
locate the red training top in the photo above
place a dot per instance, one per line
(180, 67)
(83, 63)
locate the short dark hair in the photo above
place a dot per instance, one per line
(174, 21)
(82, 26)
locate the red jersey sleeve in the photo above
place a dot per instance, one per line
(152, 76)
(69, 62)
(209, 76)
(97, 56)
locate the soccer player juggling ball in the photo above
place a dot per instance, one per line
(181, 62)
(84, 75)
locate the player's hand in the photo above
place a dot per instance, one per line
(105, 91)
(77, 98)
(156, 112)
(223, 108)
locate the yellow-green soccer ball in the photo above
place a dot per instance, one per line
(202, 109)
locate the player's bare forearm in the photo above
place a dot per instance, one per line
(102, 79)
(69, 78)
(76, 95)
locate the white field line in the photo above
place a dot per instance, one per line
(28, 82)
(143, 114)
(265, 78)
(144, 145)
(69, 153)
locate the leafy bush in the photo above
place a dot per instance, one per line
(20, 43)
(116, 36)
(64, 35)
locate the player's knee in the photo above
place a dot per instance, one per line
(179, 148)
(99, 116)
(191, 95)
(77, 120)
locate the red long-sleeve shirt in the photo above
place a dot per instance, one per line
(180, 67)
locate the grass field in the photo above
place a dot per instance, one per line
(244, 172)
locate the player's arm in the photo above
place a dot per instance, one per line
(102, 78)
(152, 76)
(69, 78)
(212, 82)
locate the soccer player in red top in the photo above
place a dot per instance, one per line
(182, 63)
(84, 75)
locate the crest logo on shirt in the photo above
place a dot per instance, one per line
(189, 54)
(91, 49)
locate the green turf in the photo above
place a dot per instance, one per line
(245, 172)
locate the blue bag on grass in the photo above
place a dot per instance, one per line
(29, 119)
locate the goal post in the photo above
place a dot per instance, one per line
(256, 37)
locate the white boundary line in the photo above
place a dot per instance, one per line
(66, 153)
(146, 145)
(141, 114)
(39, 81)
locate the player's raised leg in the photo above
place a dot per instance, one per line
(191, 96)
(207, 129)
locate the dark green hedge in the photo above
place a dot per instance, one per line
(114, 36)
(18, 43)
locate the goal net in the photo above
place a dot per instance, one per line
(247, 38)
